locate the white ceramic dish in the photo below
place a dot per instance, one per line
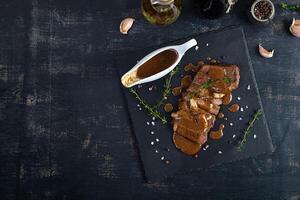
(180, 49)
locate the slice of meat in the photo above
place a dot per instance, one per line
(186, 146)
(193, 124)
(229, 72)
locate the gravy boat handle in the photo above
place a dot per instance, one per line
(181, 49)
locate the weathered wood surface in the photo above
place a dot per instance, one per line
(64, 133)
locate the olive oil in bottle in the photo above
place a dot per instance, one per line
(161, 12)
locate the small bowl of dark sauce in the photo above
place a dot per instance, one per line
(262, 11)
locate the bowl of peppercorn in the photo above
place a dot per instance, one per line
(262, 11)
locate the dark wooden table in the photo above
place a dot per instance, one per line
(64, 132)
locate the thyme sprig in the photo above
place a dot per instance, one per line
(211, 82)
(208, 84)
(167, 87)
(247, 131)
(290, 7)
(151, 110)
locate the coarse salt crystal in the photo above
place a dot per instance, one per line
(204, 149)
(156, 151)
(153, 118)
(240, 119)
(254, 136)
(153, 123)
(166, 98)
(219, 152)
(140, 108)
(247, 107)
(150, 88)
(152, 143)
(196, 48)
(207, 44)
(207, 146)
(248, 87)
(138, 105)
(233, 136)
(152, 133)
(157, 140)
(231, 124)
(238, 98)
(225, 118)
(162, 158)
(148, 123)
(242, 109)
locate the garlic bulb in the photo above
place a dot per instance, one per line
(265, 53)
(126, 25)
(295, 27)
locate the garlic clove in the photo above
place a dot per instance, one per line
(126, 24)
(295, 27)
(265, 53)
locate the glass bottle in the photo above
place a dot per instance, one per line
(161, 12)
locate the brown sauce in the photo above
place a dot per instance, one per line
(234, 107)
(177, 91)
(168, 107)
(216, 73)
(188, 67)
(157, 63)
(215, 135)
(186, 146)
(227, 98)
(221, 115)
(186, 81)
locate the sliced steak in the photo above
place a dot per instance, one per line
(200, 105)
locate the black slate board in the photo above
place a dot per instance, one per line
(228, 46)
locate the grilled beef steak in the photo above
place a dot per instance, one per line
(200, 104)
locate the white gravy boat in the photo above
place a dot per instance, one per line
(180, 49)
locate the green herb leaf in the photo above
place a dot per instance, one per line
(290, 7)
(208, 84)
(167, 87)
(227, 80)
(247, 131)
